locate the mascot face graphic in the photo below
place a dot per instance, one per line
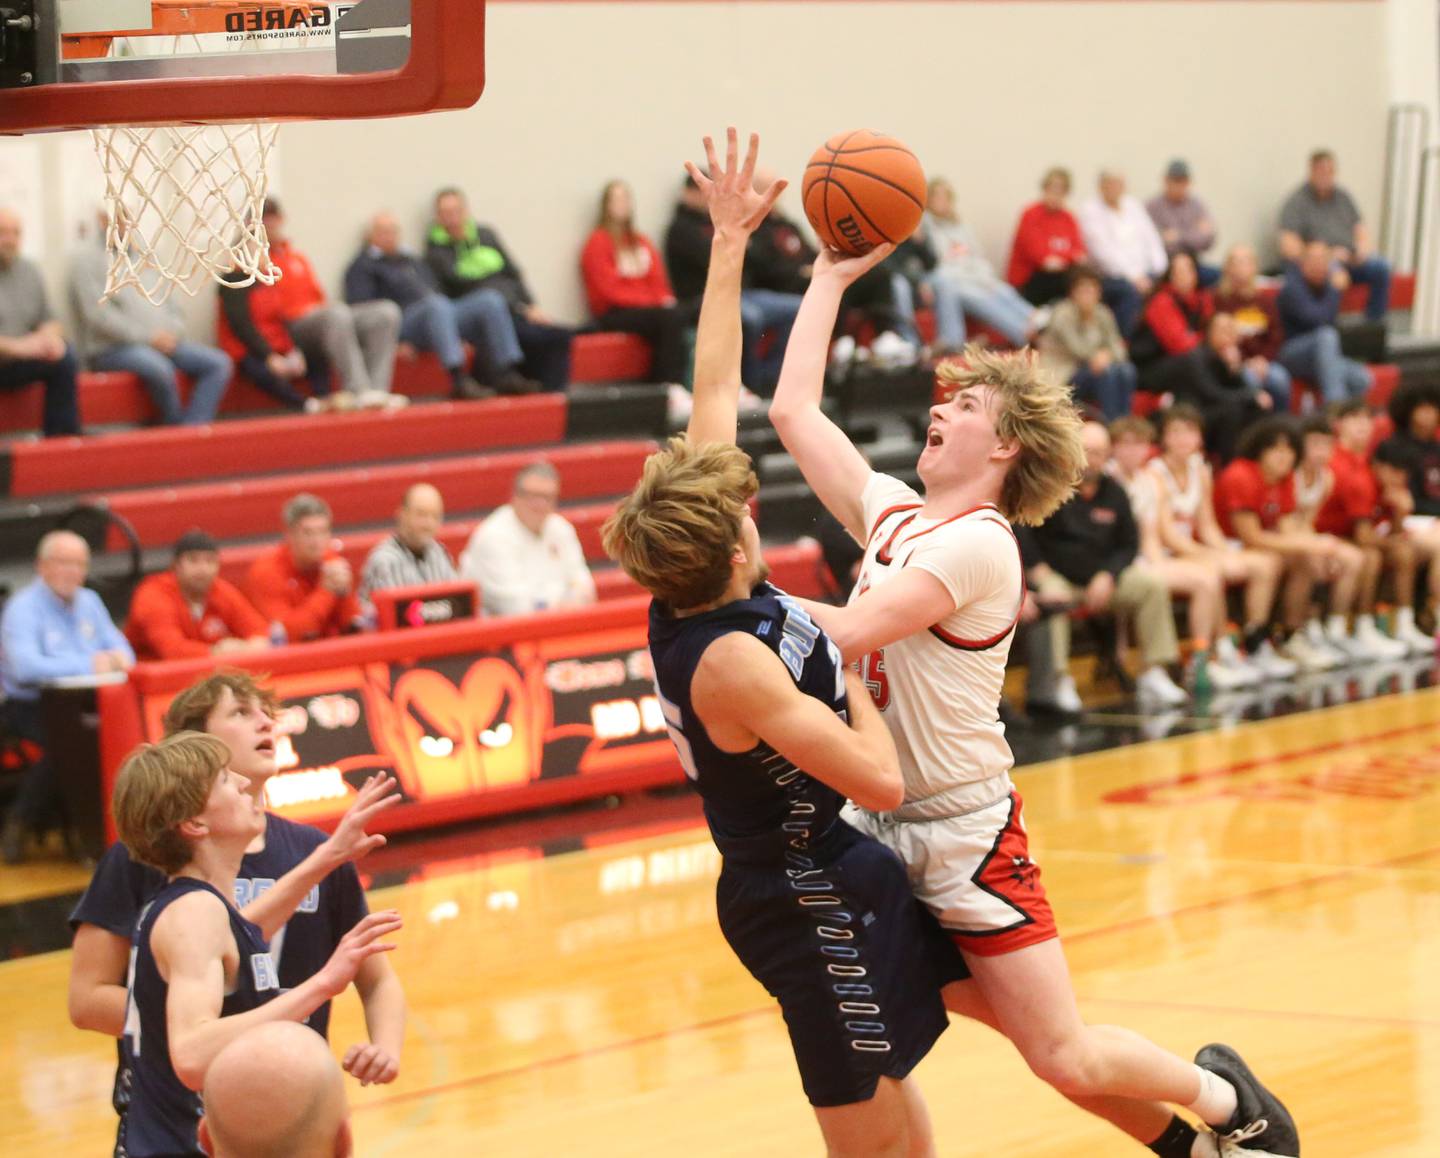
(449, 739)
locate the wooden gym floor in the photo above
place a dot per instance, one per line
(1272, 884)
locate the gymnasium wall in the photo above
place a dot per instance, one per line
(988, 94)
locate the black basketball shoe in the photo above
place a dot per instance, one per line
(1261, 1124)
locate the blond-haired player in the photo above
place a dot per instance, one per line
(930, 621)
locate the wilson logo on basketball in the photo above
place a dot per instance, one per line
(278, 19)
(850, 230)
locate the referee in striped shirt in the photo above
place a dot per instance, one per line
(412, 555)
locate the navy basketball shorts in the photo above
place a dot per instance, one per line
(854, 960)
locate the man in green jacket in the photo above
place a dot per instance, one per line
(471, 266)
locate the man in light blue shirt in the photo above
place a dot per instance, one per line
(52, 629)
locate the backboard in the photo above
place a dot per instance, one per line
(79, 63)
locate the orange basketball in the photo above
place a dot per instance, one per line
(863, 189)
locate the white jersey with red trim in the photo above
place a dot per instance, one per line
(939, 690)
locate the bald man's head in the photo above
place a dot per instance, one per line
(63, 562)
(418, 520)
(9, 237)
(276, 1092)
(384, 233)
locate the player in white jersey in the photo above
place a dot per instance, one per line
(930, 622)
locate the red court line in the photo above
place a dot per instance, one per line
(565, 1059)
(1268, 1014)
(733, 1018)
(1139, 793)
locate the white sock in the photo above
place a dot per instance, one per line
(1335, 627)
(1363, 621)
(1217, 1101)
(1405, 619)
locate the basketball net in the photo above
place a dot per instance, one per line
(185, 201)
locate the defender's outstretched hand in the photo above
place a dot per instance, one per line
(730, 194)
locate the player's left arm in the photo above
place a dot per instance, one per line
(349, 842)
(911, 602)
(383, 999)
(735, 211)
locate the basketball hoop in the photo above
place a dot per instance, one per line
(184, 202)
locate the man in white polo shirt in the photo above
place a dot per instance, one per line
(526, 557)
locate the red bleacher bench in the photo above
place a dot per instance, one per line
(118, 399)
(1402, 295)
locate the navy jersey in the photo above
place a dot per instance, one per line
(756, 802)
(121, 887)
(819, 913)
(163, 1113)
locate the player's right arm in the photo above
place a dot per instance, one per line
(189, 941)
(741, 691)
(835, 470)
(98, 967)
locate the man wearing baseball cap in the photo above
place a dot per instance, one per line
(1184, 222)
(189, 611)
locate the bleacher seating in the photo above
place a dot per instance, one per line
(366, 495)
(120, 400)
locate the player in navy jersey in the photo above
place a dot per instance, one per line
(201, 974)
(775, 734)
(297, 870)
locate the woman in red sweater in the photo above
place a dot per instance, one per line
(627, 286)
(1047, 243)
(1174, 320)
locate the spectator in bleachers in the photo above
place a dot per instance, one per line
(1184, 222)
(1351, 515)
(467, 257)
(32, 346)
(384, 270)
(1414, 448)
(627, 288)
(1124, 246)
(357, 342)
(1199, 578)
(1047, 243)
(1321, 211)
(303, 587)
(762, 311)
(1187, 529)
(1257, 323)
(129, 334)
(526, 556)
(53, 628)
(253, 333)
(189, 611)
(1089, 555)
(1173, 321)
(912, 262)
(964, 282)
(412, 555)
(1082, 345)
(781, 260)
(1211, 378)
(1309, 304)
(1388, 462)
(1255, 504)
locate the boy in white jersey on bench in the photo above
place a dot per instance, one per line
(931, 620)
